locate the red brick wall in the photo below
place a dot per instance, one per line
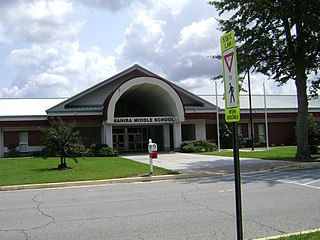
(211, 131)
(34, 138)
(244, 130)
(282, 133)
(11, 138)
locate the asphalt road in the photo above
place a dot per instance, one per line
(273, 203)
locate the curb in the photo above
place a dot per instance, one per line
(288, 235)
(310, 165)
(297, 166)
(100, 182)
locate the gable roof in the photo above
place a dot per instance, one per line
(92, 99)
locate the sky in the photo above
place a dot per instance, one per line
(57, 48)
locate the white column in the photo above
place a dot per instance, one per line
(201, 130)
(107, 134)
(1, 143)
(166, 137)
(177, 138)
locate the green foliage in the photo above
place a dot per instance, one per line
(15, 171)
(226, 136)
(12, 150)
(279, 39)
(62, 140)
(101, 150)
(274, 36)
(313, 134)
(198, 146)
(303, 236)
(274, 153)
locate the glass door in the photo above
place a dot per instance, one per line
(119, 139)
(137, 139)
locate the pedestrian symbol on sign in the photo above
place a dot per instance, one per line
(231, 91)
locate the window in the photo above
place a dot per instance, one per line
(23, 141)
(262, 133)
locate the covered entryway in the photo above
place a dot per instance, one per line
(125, 110)
(140, 109)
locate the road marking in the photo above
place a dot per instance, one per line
(299, 184)
(313, 181)
(224, 191)
(289, 178)
(289, 234)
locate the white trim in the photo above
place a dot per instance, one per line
(141, 80)
(177, 137)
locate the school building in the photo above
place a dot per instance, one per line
(135, 105)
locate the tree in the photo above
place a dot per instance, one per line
(313, 134)
(62, 140)
(279, 38)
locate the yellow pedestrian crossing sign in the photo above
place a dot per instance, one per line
(230, 77)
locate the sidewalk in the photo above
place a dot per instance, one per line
(186, 163)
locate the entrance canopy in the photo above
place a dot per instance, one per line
(143, 97)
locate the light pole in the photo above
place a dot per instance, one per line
(250, 108)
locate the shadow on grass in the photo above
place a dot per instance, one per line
(51, 169)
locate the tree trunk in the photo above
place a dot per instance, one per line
(63, 164)
(303, 152)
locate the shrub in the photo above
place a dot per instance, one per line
(226, 136)
(101, 150)
(108, 152)
(12, 150)
(188, 148)
(198, 146)
(313, 134)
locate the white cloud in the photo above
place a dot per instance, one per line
(173, 41)
(59, 70)
(43, 21)
(143, 32)
(3, 38)
(199, 37)
(48, 80)
(106, 4)
(143, 43)
(54, 55)
(195, 83)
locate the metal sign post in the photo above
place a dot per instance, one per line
(232, 113)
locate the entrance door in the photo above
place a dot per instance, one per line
(119, 139)
(137, 139)
(130, 139)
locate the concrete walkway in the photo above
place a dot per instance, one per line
(187, 163)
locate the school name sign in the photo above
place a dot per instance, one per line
(230, 77)
(143, 120)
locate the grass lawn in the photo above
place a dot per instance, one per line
(273, 153)
(308, 236)
(15, 171)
